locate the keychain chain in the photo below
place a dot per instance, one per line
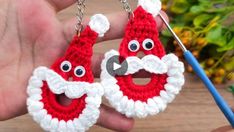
(127, 8)
(80, 15)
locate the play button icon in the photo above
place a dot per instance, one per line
(117, 65)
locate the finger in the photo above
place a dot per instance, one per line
(61, 4)
(96, 64)
(111, 119)
(223, 129)
(161, 25)
(96, 67)
(12, 107)
(118, 22)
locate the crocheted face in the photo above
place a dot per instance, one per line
(166, 71)
(74, 72)
(143, 39)
(70, 76)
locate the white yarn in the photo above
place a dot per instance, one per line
(58, 85)
(44, 123)
(54, 124)
(134, 65)
(39, 116)
(149, 63)
(70, 126)
(62, 127)
(151, 6)
(100, 24)
(153, 64)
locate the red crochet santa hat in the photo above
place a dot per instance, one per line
(81, 46)
(80, 50)
(141, 26)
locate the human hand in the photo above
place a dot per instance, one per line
(224, 128)
(32, 36)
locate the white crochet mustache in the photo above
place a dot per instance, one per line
(71, 89)
(152, 64)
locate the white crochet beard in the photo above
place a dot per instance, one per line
(168, 64)
(72, 90)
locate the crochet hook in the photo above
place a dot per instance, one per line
(222, 104)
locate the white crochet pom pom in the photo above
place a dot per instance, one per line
(100, 24)
(151, 6)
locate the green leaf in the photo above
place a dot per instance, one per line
(179, 6)
(214, 36)
(220, 9)
(166, 33)
(228, 21)
(164, 40)
(232, 27)
(188, 17)
(197, 9)
(230, 1)
(202, 20)
(231, 88)
(205, 2)
(179, 21)
(227, 47)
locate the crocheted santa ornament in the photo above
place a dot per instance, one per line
(70, 75)
(166, 70)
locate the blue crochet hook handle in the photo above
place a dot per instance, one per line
(222, 104)
(217, 97)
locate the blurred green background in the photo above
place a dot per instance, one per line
(206, 27)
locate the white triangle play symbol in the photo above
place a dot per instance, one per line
(116, 66)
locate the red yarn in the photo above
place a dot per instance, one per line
(141, 27)
(78, 53)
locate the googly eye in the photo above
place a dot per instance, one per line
(79, 71)
(148, 44)
(65, 66)
(133, 45)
